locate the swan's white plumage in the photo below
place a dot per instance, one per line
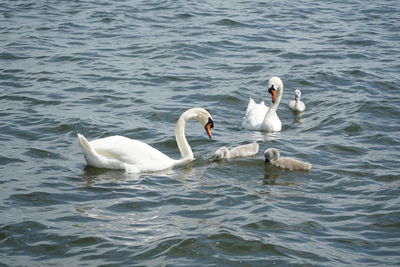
(297, 105)
(261, 118)
(119, 152)
(255, 114)
(221, 153)
(272, 156)
(239, 151)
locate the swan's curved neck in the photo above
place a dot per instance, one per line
(183, 145)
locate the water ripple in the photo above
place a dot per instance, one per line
(124, 68)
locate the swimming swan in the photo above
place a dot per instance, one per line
(272, 156)
(118, 152)
(297, 105)
(261, 118)
(239, 151)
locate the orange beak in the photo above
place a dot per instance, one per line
(272, 91)
(208, 126)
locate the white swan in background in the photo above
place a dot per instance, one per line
(118, 152)
(297, 105)
(261, 118)
(239, 151)
(272, 156)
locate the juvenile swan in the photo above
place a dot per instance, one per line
(118, 152)
(261, 118)
(297, 105)
(239, 151)
(272, 157)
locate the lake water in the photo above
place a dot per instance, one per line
(131, 68)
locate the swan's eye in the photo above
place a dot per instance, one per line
(272, 88)
(272, 91)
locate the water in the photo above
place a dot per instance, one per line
(132, 67)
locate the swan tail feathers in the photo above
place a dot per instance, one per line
(91, 156)
(84, 143)
(250, 105)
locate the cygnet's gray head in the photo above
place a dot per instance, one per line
(222, 153)
(297, 94)
(271, 154)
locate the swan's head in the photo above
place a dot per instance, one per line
(273, 84)
(297, 94)
(203, 116)
(222, 153)
(209, 125)
(271, 154)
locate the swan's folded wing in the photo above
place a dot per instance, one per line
(132, 152)
(95, 159)
(244, 150)
(292, 164)
(250, 105)
(255, 117)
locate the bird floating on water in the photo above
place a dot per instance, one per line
(297, 105)
(272, 156)
(239, 151)
(259, 117)
(119, 152)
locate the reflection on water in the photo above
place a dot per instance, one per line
(271, 173)
(95, 175)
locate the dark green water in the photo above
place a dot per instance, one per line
(132, 67)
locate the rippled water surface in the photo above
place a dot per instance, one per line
(132, 67)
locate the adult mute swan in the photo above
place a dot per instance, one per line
(118, 152)
(272, 156)
(239, 151)
(297, 105)
(261, 118)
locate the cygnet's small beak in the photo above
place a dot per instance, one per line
(209, 125)
(266, 161)
(272, 91)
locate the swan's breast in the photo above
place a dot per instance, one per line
(272, 123)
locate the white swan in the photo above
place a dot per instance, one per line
(272, 156)
(239, 151)
(261, 118)
(118, 152)
(297, 105)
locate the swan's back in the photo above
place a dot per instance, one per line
(244, 150)
(130, 153)
(292, 164)
(254, 116)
